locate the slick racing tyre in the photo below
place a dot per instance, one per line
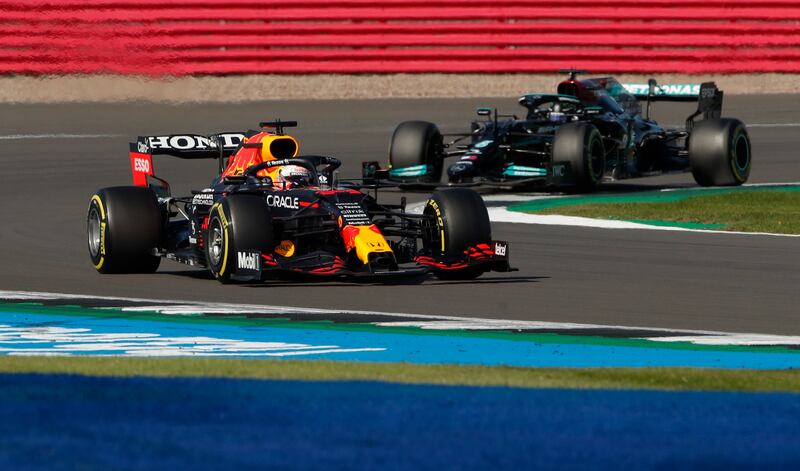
(124, 226)
(236, 223)
(581, 145)
(720, 152)
(415, 152)
(461, 221)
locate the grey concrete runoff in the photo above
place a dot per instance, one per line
(247, 88)
(55, 156)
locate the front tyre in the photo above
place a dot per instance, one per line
(124, 226)
(720, 152)
(581, 145)
(461, 221)
(415, 153)
(236, 223)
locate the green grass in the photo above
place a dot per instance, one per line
(747, 211)
(610, 378)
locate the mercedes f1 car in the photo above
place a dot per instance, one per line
(258, 219)
(590, 130)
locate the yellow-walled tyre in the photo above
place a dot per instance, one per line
(461, 221)
(124, 226)
(238, 222)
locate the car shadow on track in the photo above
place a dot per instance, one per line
(196, 274)
(306, 281)
(608, 187)
(490, 280)
(630, 187)
(428, 281)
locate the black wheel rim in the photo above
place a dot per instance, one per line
(432, 233)
(741, 156)
(93, 224)
(216, 243)
(596, 158)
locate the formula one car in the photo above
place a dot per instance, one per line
(590, 130)
(270, 211)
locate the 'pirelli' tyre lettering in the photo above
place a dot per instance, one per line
(102, 241)
(102, 252)
(221, 213)
(439, 220)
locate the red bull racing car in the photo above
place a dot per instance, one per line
(270, 211)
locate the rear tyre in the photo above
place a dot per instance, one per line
(238, 222)
(720, 152)
(581, 145)
(414, 144)
(124, 226)
(461, 221)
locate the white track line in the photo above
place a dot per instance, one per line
(748, 125)
(69, 341)
(746, 185)
(504, 215)
(773, 125)
(429, 322)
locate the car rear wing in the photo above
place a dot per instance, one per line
(183, 146)
(190, 146)
(706, 94)
(670, 92)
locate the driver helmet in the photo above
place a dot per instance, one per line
(556, 116)
(293, 176)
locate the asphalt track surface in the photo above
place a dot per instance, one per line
(739, 283)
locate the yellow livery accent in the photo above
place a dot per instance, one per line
(278, 147)
(365, 240)
(286, 249)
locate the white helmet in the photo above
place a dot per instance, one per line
(294, 176)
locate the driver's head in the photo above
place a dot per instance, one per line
(294, 176)
(555, 115)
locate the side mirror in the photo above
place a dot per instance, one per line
(328, 180)
(253, 180)
(488, 112)
(369, 172)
